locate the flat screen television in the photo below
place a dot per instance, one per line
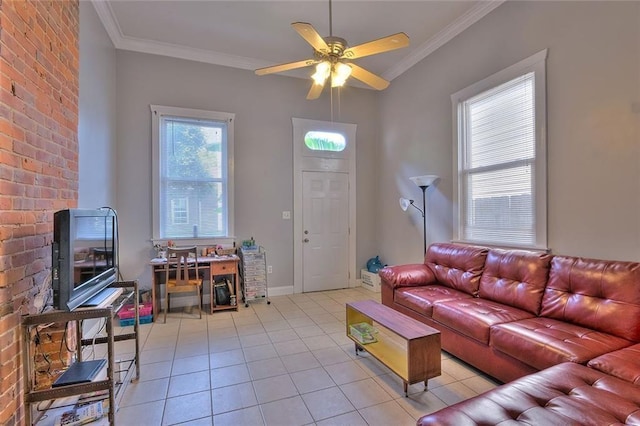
(84, 258)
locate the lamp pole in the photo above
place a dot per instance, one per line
(424, 217)
(423, 182)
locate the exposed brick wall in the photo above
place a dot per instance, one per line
(38, 164)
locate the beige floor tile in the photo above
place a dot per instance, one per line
(217, 322)
(249, 329)
(480, 384)
(372, 366)
(319, 342)
(266, 368)
(328, 356)
(276, 325)
(189, 383)
(290, 347)
(256, 353)
(149, 413)
(389, 413)
(308, 331)
(156, 355)
(300, 321)
(191, 350)
(365, 393)
(247, 341)
(458, 369)
(233, 397)
(232, 375)
(352, 419)
(187, 408)
(222, 333)
(453, 393)
(190, 365)
(246, 320)
(346, 372)
(299, 362)
(282, 335)
(327, 403)
(312, 380)
(247, 416)
(157, 370)
(420, 403)
(141, 392)
(222, 345)
(274, 388)
(227, 358)
(290, 411)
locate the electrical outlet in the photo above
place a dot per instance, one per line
(269, 269)
(286, 214)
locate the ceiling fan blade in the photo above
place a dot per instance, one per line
(367, 77)
(286, 67)
(315, 91)
(385, 44)
(312, 37)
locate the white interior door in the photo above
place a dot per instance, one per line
(325, 223)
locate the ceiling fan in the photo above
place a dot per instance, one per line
(333, 57)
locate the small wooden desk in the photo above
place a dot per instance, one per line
(217, 265)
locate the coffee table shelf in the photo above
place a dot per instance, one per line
(408, 347)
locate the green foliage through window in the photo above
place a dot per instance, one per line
(325, 141)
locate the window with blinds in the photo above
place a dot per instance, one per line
(192, 195)
(501, 195)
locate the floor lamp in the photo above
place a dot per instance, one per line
(423, 182)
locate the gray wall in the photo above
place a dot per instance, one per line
(97, 113)
(593, 138)
(263, 151)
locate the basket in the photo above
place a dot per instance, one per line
(225, 252)
(129, 311)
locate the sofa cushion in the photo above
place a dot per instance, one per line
(597, 294)
(566, 394)
(421, 299)
(474, 317)
(543, 342)
(516, 278)
(624, 364)
(457, 266)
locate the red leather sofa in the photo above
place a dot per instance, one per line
(512, 313)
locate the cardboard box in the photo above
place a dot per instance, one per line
(370, 281)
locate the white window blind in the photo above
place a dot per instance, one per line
(501, 195)
(192, 192)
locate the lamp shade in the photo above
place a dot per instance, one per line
(405, 203)
(425, 180)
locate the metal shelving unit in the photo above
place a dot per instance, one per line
(108, 386)
(253, 273)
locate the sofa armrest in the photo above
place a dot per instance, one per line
(410, 275)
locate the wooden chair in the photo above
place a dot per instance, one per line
(187, 275)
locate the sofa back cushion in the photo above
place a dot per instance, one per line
(599, 294)
(516, 278)
(457, 266)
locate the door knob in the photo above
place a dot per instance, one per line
(306, 232)
(306, 240)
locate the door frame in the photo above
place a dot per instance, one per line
(305, 160)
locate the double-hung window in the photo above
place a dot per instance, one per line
(501, 157)
(192, 173)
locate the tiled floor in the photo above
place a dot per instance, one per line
(288, 363)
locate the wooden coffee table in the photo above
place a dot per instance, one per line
(408, 347)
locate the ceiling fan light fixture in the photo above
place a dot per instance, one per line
(323, 69)
(340, 74)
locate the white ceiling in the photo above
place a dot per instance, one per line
(254, 34)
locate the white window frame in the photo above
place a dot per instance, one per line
(537, 65)
(157, 113)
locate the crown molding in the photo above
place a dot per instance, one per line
(120, 41)
(469, 18)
